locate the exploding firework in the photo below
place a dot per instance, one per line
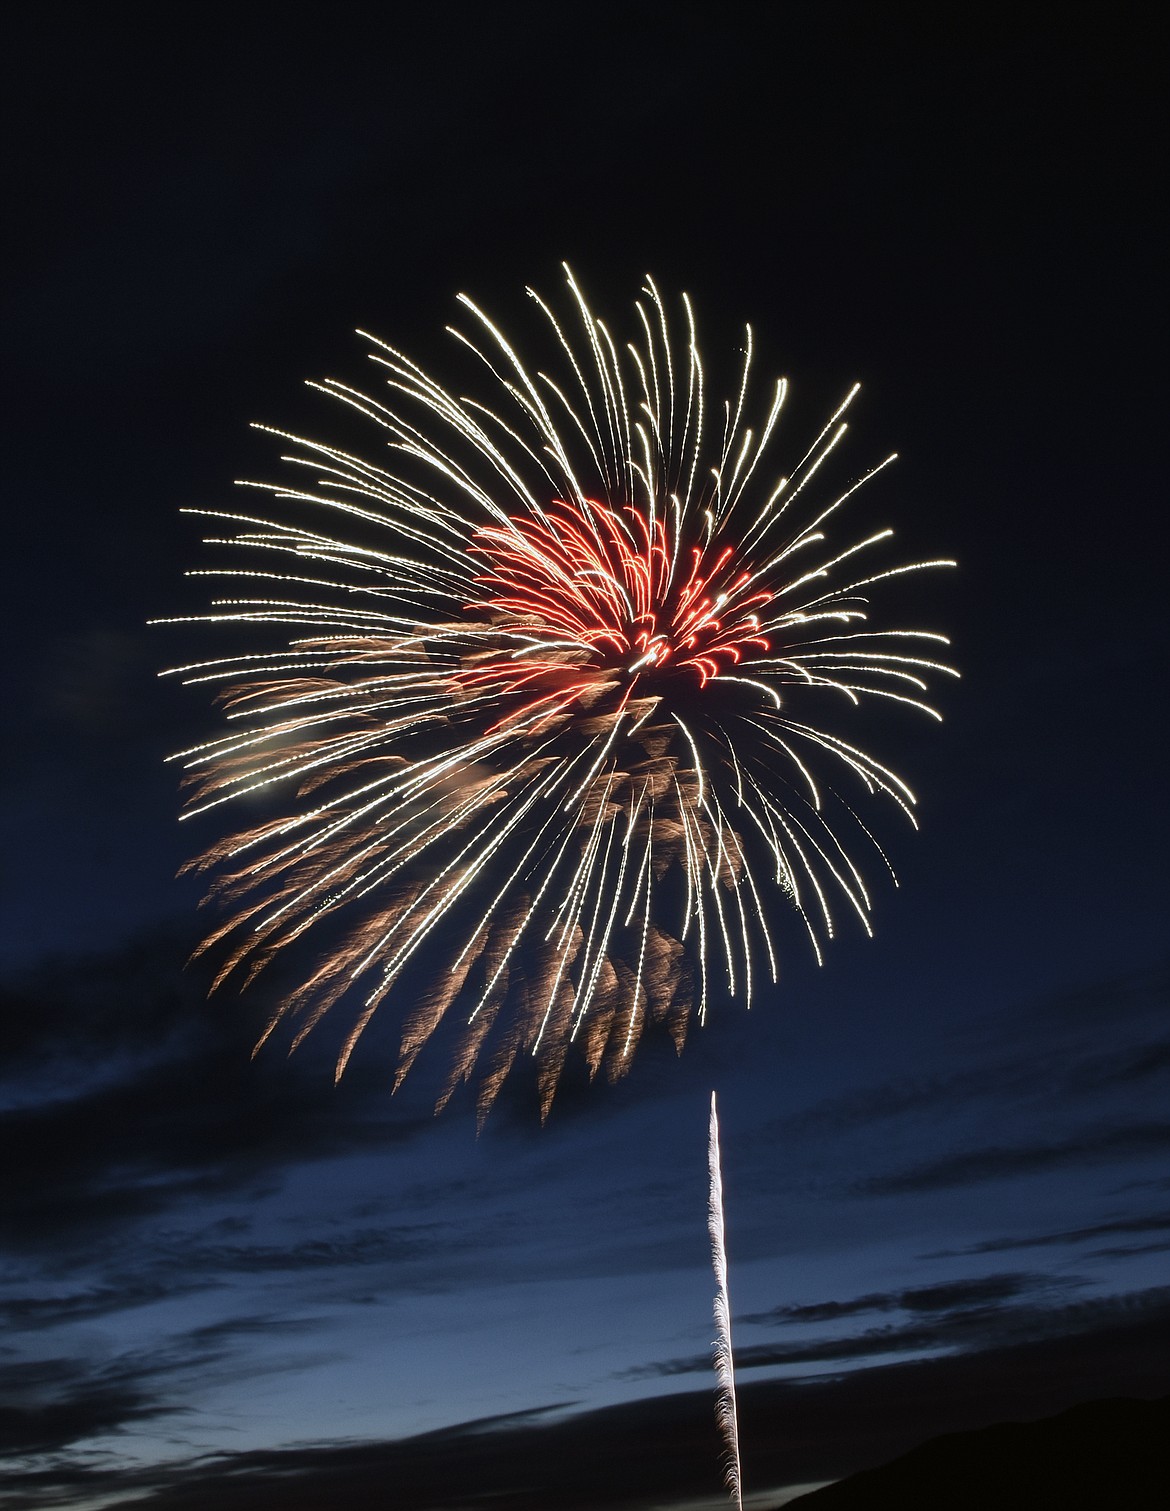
(537, 703)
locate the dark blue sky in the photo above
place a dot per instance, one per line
(946, 1152)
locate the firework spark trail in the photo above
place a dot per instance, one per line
(559, 683)
(725, 1412)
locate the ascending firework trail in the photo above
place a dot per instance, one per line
(564, 679)
(725, 1413)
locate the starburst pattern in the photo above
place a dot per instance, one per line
(535, 705)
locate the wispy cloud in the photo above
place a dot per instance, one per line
(1018, 1051)
(1123, 999)
(1158, 1222)
(150, 1102)
(969, 1167)
(87, 1303)
(947, 1295)
(967, 1326)
(48, 1404)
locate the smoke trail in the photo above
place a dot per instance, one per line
(725, 1413)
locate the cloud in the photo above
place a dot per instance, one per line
(869, 1104)
(1004, 1162)
(28, 1428)
(1068, 1064)
(89, 1303)
(947, 1295)
(135, 1097)
(650, 1452)
(370, 1246)
(1121, 1068)
(162, 1267)
(1130, 996)
(49, 1404)
(971, 1324)
(1157, 1223)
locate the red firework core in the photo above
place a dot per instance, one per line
(593, 592)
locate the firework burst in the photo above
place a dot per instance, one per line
(536, 702)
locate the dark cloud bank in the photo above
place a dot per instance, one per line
(629, 1456)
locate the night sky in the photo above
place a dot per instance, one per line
(224, 1281)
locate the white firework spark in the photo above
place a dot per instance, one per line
(539, 698)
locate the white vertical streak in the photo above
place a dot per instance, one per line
(725, 1413)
